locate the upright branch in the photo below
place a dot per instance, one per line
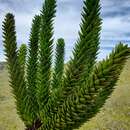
(17, 81)
(59, 65)
(86, 48)
(32, 107)
(45, 56)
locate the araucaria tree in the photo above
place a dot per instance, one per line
(56, 98)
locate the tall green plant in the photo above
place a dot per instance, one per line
(15, 64)
(31, 77)
(53, 98)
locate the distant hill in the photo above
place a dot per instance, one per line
(2, 65)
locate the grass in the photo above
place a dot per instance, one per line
(9, 119)
(115, 115)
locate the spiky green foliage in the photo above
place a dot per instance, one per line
(16, 74)
(59, 64)
(45, 56)
(86, 48)
(68, 98)
(84, 54)
(87, 100)
(32, 107)
(22, 53)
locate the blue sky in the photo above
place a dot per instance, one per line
(115, 27)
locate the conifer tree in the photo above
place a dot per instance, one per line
(54, 98)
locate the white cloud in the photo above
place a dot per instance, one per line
(103, 53)
(115, 29)
(67, 22)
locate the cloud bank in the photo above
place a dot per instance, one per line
(115, 28)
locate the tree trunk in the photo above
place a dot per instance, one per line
(36, 125)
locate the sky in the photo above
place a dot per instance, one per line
(114, 13)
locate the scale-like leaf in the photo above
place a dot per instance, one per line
(32, 107)
(22, 54)
(59, 65)
(16, 75)
(45, 56)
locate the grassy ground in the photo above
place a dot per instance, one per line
(115, 115)
(9, 120)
